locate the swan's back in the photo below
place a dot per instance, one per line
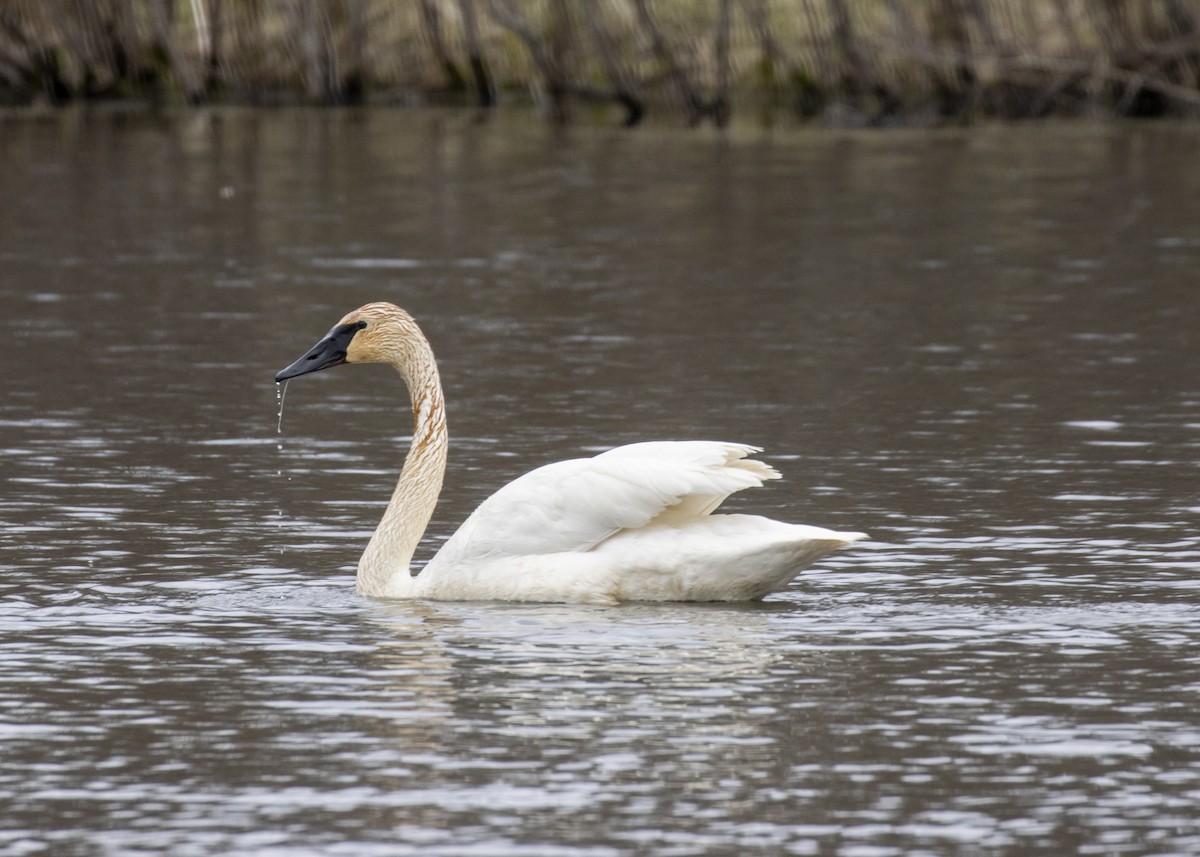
(633, 523)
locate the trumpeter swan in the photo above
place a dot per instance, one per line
(631, 524)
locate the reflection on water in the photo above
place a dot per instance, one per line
(977, 346)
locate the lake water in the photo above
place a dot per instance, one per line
(979, 346)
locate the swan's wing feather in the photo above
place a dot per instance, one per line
(701, 453)
(574, 505)
(698, 453)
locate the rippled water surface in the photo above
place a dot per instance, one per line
(980, 346)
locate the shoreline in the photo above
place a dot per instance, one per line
(842, 63)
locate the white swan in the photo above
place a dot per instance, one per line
(631, 524)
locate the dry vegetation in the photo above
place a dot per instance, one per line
(848, 61)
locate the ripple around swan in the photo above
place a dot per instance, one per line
(462, 721)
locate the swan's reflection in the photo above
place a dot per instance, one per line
(564, 704)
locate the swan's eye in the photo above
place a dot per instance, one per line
(362, 325)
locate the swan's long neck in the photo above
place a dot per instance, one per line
(383, 569)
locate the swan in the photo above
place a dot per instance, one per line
(634, 523)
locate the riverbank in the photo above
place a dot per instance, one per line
(842, 62)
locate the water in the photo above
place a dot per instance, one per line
(976, 345)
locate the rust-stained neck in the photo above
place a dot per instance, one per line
(392, 337)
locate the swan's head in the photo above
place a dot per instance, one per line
(375, 333)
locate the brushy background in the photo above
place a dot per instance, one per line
(857, 62)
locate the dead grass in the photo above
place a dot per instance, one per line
(846, 61)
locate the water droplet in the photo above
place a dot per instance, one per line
(280, 392)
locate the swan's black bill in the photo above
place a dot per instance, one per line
(330, 351)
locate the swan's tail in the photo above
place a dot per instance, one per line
(781, 559)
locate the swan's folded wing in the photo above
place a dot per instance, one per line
(574, 505)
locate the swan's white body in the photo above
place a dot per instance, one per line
(631, 524)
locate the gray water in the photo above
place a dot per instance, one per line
(979, 346)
